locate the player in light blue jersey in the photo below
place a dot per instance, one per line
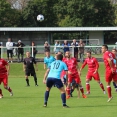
(114, 51)
(53, 78)
(48, 59)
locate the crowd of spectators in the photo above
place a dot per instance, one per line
(76, 46)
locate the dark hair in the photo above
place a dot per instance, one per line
(105, 46)
(47, 51)
(60, 57)
(67, 51)
(33, 42)
(60, 52)
(89, 52)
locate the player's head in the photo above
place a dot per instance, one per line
(104, 48)
(67, 54)
(88, 54)
(27, 54)
(47, 53)
(59, 52)
(59, 57)
(114, 51)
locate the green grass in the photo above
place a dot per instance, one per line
(28, 101)
(43, 55)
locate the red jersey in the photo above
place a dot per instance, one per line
(92, 64)
(111, 56)
(3, 64)
(71, 64)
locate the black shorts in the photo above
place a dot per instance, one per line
(29, 72)
(10, 52)
(53, 81)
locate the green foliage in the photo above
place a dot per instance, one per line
(62, 13)
(36, 7)
(115, 6)
(8, 17)
(86, 13)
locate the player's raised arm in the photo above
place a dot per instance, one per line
(45, 76)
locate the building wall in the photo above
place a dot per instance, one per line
(94, 36)
(26, 37)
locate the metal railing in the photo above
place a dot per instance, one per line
(96, 51)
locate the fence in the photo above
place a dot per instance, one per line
(96, 51)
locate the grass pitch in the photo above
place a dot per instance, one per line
(28, 101)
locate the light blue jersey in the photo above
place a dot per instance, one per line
(56, 68)
(49, 60)
(114, 61)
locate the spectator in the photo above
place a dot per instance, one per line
(81, 50)
(65, 46)
(46, 47)
(74, 44)
(20, 50)
(9, 46)
(34, 49)
(57, 47)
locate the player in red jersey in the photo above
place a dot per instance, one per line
(4, 72)
(110, 69)
(73, 73)
(93, 66)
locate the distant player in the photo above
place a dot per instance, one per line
(48, 59)
(93, 66)
(53, 78)
(4, 72)
(114, 51)
(29, 68)
(73, 74)
(110, 69)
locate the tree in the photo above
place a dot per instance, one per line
(8, 16)
(85, 13)
(35, 7)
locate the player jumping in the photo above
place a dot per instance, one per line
(93, 66)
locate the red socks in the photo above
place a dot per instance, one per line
(102, 86)
(109, 91)
(88, 87)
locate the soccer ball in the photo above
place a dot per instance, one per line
(40, 17)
